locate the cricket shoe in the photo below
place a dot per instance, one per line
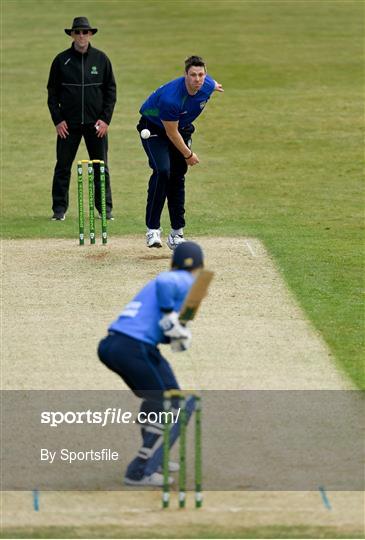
(153, 238)
(155, 479)
(58, 216)
(173, 240)
(173, 467)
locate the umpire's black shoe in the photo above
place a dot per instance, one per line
(58, 216)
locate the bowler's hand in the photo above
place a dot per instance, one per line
(218, 87)
(101, 128)
(62, 129)
(193, 160)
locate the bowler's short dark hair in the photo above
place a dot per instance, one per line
(194, 61)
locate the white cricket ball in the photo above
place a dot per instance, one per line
(145, 133)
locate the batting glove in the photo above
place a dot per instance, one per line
(172, 327)
(181, 344)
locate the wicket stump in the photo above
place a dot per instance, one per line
(183, 421)
(91, 193)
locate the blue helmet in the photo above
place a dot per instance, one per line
(187, 256)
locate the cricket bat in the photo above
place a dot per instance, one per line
(198, 291)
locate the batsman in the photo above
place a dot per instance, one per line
(156, 315)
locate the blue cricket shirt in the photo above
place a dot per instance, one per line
(172, 102)
(139, 319)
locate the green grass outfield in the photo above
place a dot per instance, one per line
(193, 532)
(281, 150)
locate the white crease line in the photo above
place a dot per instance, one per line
(250, 248)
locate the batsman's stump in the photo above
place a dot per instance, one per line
(183, 421)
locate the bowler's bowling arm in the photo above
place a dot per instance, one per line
(173, 134)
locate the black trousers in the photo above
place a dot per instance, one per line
(97, 148)
(168, 177)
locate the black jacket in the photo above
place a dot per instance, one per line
(81, 87)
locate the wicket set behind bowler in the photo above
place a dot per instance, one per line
(91, 199)
(183, 422)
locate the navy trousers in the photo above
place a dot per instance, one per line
(142, 367)
(148, 374)
(167, 181)
(97, 148)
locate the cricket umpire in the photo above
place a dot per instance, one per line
(81, 99)
(131, 350)
(166, 129)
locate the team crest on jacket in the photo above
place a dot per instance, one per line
(94, 70)
(202, 105)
